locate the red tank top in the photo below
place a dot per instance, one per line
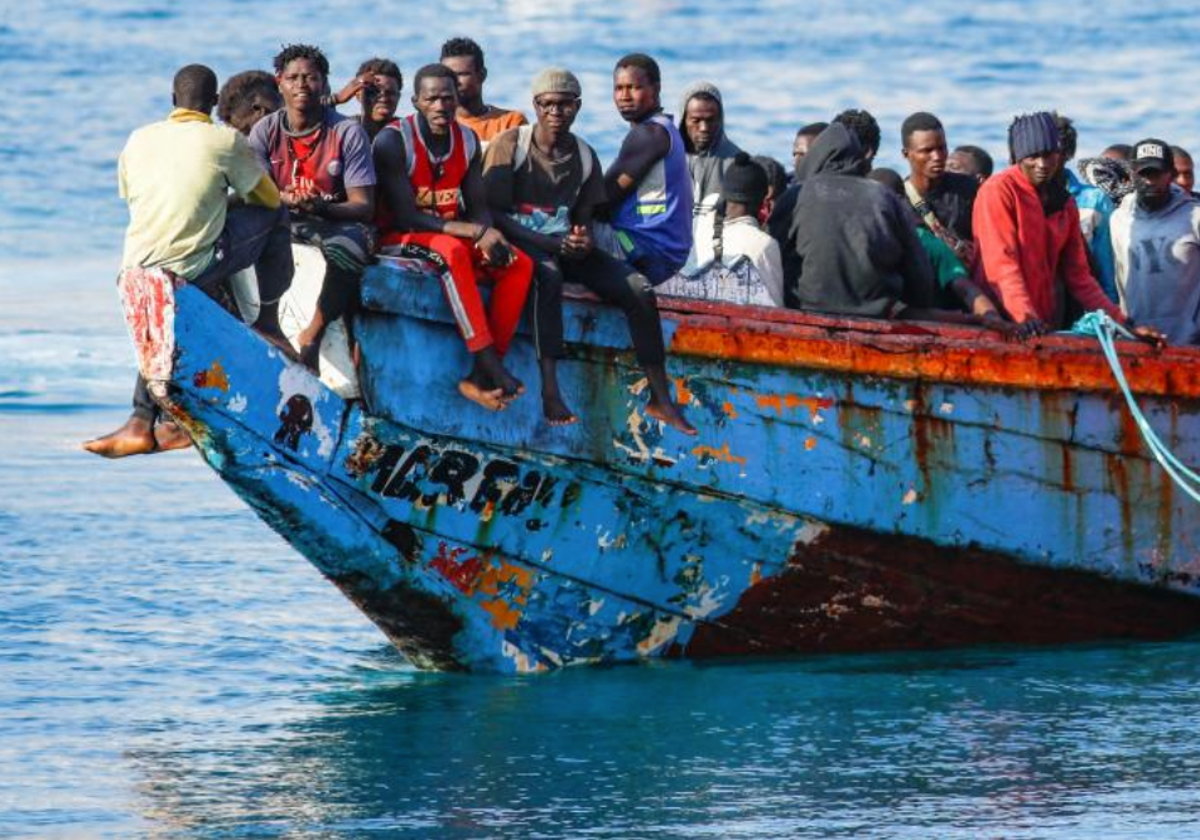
(437, 182)
(313, 162)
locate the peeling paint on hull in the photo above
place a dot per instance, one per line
(854, 486)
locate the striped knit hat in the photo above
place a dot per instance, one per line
(1033, 134)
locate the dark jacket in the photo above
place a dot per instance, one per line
(854, 239)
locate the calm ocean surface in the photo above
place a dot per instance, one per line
(170, 668)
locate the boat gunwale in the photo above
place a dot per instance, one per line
(933, 353)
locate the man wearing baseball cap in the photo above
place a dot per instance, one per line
(1028, 233)
(1156, 242)
(543, 185)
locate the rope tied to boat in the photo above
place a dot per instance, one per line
(1100, 325)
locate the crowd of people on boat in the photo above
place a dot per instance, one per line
(486, 197)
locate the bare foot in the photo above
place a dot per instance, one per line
(489, 372)
(134, 438)
(556, 411)
(169, 435)
(670, 414)
(491, 400)
(509, 385)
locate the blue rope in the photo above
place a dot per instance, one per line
(1105, 329)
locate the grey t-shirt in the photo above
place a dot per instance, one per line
(336, 157)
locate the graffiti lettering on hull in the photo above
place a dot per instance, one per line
(429, 476)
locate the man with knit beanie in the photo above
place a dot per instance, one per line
(543, 185)
(738, 261)
(1028, 233)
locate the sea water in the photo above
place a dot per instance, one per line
(170, 668)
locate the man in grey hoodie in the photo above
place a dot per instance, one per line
(1156, 243)
(709, 152)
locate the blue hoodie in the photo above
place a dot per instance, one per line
(1095, 211)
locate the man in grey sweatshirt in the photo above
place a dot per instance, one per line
(710, 152)
(1156, 245)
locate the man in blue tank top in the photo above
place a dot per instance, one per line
(648, 186)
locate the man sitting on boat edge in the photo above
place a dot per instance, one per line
(543, 184)
(649, 198)
(434, 207)
(175, 176)
(321, 163)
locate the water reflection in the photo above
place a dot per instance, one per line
(1021, 744)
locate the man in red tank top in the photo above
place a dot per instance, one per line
(435, 207)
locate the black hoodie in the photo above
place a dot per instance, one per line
(854, 241)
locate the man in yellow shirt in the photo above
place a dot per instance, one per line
(176, 175)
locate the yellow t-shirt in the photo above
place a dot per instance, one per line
(176, 176)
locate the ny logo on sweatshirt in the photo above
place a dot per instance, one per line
(1154, 252)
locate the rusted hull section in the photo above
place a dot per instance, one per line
(852, 487)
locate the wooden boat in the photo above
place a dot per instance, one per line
(856, 485)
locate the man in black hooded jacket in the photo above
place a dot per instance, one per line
(854, 248)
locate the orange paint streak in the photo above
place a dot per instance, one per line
(810, 444)
(951, 355)
(683, 396)
(729, 409)
(813, 404)
(504, 617)
(722, 454)
(522, 577)
(770, 401)
(488, 581)
(791, 402)
(214, 377)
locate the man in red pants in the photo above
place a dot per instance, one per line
(435, 205)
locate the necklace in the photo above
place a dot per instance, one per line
(436, 165)
(297, 158)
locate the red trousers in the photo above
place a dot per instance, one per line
(462, 268)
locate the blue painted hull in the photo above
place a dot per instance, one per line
(822, 507)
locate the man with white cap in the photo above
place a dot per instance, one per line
(1156, 243)
(543, 185)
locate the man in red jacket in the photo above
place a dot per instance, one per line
(1027, 231)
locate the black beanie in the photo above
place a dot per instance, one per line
(1033, 134)
(745, 181)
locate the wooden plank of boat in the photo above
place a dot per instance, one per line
(855, 485)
